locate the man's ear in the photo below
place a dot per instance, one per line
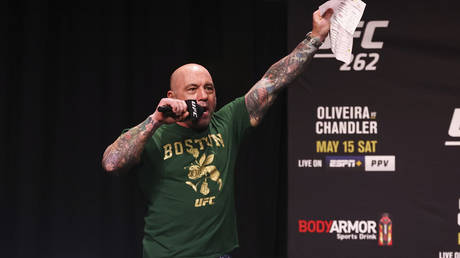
(171, 94)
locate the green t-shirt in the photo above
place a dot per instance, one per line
(187, 177)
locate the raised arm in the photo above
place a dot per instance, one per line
(126, 151)
(262, 95)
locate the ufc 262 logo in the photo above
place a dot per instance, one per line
(367, 55)
(454, 128)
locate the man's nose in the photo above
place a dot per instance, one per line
(201, 94)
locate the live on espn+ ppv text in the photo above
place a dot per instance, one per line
(373, 145)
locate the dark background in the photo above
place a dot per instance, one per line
(73, 74)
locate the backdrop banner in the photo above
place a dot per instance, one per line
(374, 145)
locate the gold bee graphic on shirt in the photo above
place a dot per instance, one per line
(201, 170)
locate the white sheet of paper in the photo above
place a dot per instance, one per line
(346, 17)
(329, 4)
(341, 43)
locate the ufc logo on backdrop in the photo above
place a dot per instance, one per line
(454, 128)
(367, 53)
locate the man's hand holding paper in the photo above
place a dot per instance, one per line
(347, 14)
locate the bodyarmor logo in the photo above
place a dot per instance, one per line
(454, 128)
(385, 230)
(363, 60)
(200, 171)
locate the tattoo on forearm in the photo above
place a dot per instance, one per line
(278, 76)
(126, 150)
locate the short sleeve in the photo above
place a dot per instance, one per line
(236, 115)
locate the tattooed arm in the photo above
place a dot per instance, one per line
(126, 151)
(262, 95)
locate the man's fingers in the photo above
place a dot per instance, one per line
(181, 108)
(183, 116)
(178, 107)
(327, 15)
(317, 13)
(175, 108)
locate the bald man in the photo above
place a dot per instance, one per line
(186, 168)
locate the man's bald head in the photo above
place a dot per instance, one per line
(186, 74)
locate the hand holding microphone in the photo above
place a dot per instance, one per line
(173, 110)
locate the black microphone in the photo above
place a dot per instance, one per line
(195, 111)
